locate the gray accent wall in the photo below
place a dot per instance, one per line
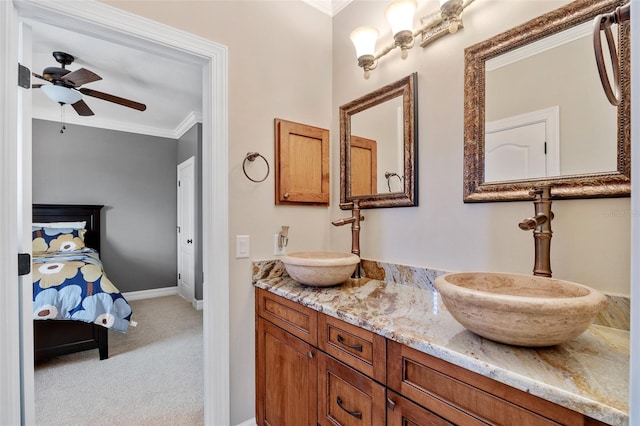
(134, 177)
(190, 145)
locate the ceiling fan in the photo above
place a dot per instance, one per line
(65, 86)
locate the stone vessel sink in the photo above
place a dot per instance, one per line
(522, 310)
(320, 268)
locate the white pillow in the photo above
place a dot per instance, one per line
(61, 225)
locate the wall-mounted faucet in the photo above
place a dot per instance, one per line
(541, 225)
(354, 220)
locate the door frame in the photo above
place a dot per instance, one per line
(107, 22)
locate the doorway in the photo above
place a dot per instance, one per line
(103, 21)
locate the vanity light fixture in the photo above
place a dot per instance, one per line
(446, 20)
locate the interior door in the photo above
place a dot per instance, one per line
(364, 166)
(516, 153)
(185, 228)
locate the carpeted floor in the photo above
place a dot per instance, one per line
(153, 375)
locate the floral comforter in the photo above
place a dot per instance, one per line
(72, 285)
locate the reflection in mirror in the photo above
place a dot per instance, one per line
(377, 139)
(542, 116)
(378, 147)
(537, 101)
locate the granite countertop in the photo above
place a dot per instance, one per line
(589, 375)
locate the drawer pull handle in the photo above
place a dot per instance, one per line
(391, 404)
(356, 414)
(310, 355)
(354, 347)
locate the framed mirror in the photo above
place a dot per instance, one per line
(536, 113)
(378, 147)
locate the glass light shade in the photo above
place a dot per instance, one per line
(60, 94)
(364, 39)
(400, 15)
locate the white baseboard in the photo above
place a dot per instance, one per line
(250, 422)
(198, 304)
(150, 294)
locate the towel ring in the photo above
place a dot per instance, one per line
(251, 156)
(603, 23)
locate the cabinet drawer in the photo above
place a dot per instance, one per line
(464, 397)
(402, 412)
(346, 397)
(295, 318)
(361, 349)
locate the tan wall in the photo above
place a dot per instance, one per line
(279, 66)
(591, 237)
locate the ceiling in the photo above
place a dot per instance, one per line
(171, 90)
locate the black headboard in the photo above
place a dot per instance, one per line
(72, 213)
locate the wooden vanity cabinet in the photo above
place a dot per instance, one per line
(312, 369)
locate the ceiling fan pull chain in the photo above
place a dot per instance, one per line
(63, 127)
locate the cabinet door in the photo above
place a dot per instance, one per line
(302, 163)
(346, 397)
(286, 378)
(402, 412)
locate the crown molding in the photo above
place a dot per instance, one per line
(330, 7)
(189, 121)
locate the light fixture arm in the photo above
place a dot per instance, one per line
(446, 20)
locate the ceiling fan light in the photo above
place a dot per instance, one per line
(61, 94)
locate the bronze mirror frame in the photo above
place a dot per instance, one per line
(407, 88)
(606, 184)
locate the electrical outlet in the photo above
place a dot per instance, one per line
(277, 250)
(242, 246)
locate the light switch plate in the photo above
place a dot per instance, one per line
(242, 246)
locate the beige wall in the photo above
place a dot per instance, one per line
(285, 61)
(591, 237)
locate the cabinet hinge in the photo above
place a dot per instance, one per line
(179, 276)
(24, 76)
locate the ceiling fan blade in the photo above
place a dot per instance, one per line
(112, 98)
(39, 76)
(82, 108)
(80, 76)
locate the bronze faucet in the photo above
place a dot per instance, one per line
(541, 224)
(354, 220)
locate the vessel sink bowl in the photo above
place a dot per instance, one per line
(522, 310)
(320, 268)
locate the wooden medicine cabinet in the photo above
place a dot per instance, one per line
(302, 164)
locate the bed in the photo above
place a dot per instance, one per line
(74, 302)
